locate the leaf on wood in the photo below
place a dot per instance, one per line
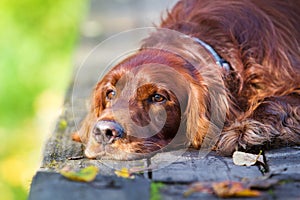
(124, 173)
(62, 125)
(87, 174)
(248, 159)
(227, 189)
(198, 187)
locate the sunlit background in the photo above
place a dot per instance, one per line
(37, 42)
(42, 42)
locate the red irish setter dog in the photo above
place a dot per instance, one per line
(230, 80)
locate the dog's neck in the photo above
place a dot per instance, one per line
(190, 48)
(219, 60)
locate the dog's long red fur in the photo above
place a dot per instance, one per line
(260, 40)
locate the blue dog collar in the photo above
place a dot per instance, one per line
(219, 60)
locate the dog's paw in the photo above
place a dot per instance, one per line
(245, 136)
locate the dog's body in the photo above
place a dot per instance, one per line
(259, 97)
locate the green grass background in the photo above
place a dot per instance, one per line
(37, 42)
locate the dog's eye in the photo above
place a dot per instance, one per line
(110, 94)
(158, 98)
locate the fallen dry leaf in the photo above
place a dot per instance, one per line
(124, 173)
(233, 189)
(222, 189)
(248, 159)
(87, 174)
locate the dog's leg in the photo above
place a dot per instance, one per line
(274, 123)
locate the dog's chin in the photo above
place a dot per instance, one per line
(108, 152)
(104, 155)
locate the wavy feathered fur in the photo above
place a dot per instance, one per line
(259, 98)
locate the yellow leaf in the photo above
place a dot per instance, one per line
(247, 193)
(124, 173)
(62, 125)
(87, 174)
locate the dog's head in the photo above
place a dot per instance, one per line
(149, 102)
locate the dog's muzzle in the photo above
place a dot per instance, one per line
(106, 132)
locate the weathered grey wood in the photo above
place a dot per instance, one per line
(284, 160)
(175, 192)
(191, 167)
(287, 190)
(50, 186)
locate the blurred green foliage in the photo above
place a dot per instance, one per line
(37, 39)
(155, 190)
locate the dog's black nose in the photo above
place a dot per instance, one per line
(107, 131)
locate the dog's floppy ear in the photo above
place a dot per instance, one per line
(205, 113)
(87, 124)
(97, 100)
(196, 120)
